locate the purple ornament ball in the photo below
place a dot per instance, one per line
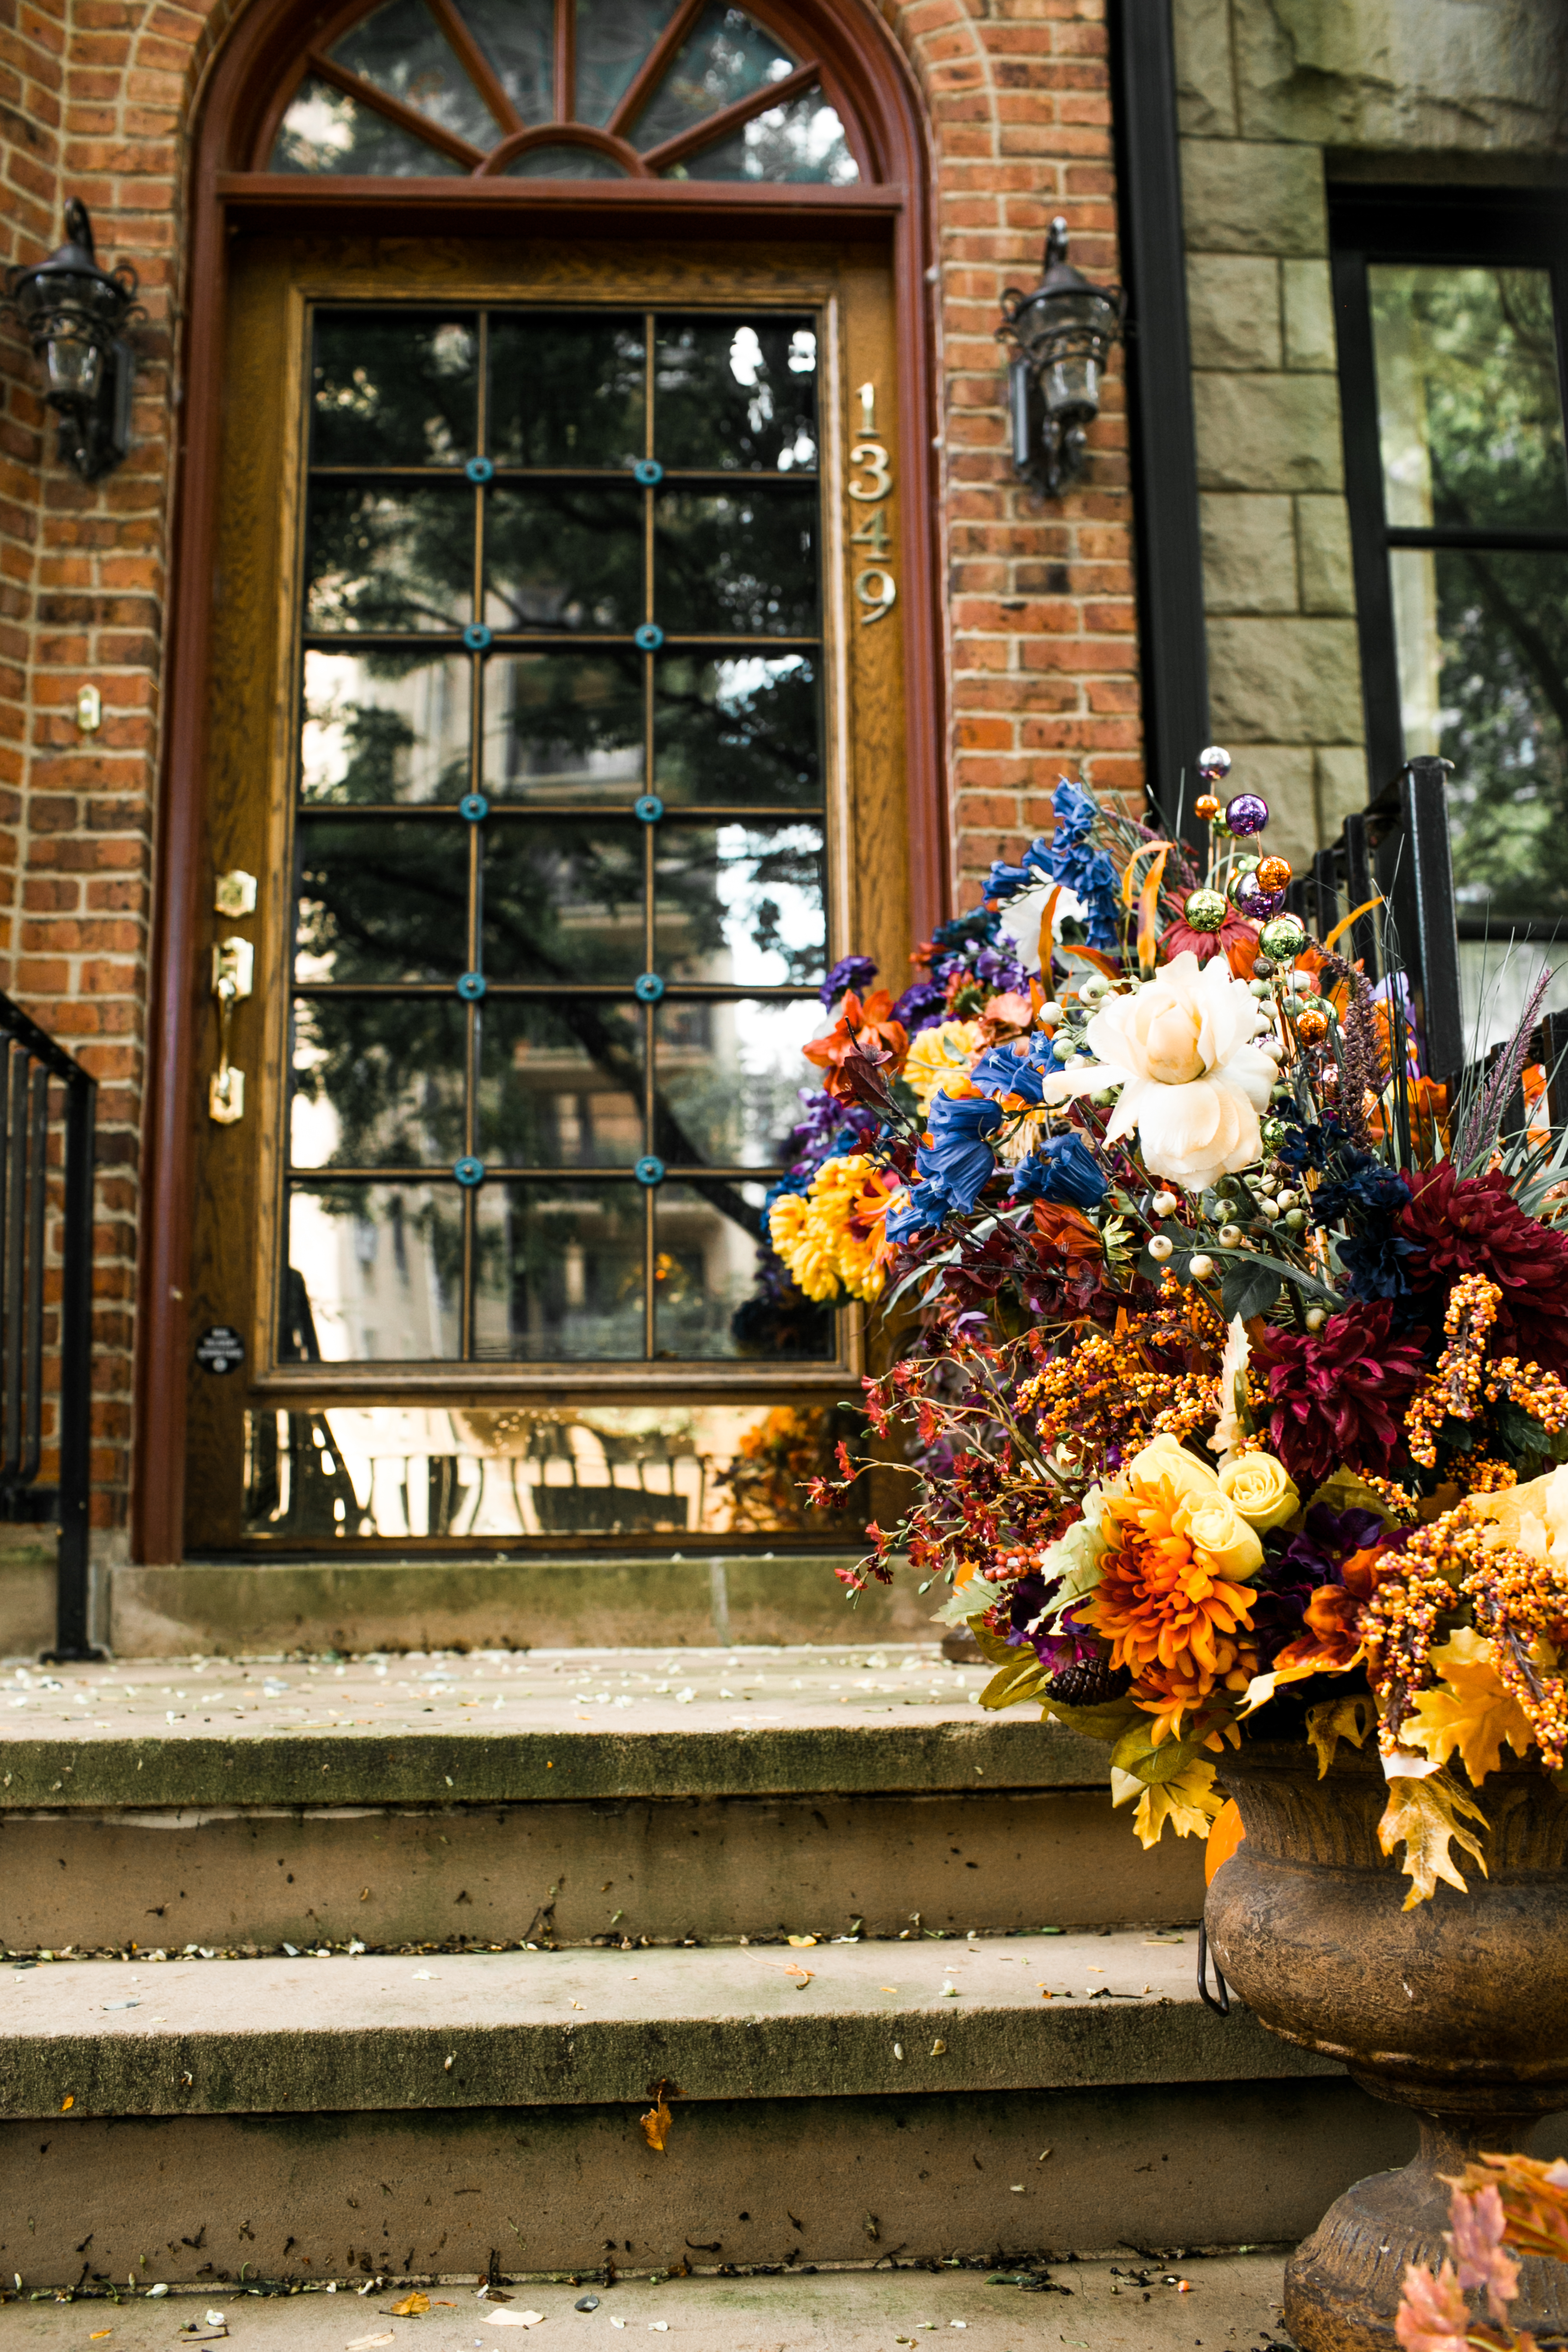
(1254, 901)
(1246, 813)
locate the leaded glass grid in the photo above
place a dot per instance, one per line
(560, 834)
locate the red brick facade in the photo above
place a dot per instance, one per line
(1041, 645)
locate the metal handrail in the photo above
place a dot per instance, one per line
(42, 1087)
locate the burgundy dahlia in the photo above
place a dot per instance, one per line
(1473, 1224)
(1336, 1395)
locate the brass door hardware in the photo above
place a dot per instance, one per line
(234, 971)
(235, 893)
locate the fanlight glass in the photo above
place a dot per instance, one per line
(401, 95)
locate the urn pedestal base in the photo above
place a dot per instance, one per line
(1456, 2008)
(1343, 2285)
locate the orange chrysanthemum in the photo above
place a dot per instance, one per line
(1170, 1617)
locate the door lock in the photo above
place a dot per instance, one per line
(234, 972)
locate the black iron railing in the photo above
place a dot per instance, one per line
(47, 1104)
(1397, 852)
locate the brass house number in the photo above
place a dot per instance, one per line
(870, 484)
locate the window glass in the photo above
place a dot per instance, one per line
(401, 50)
(1470, 429)
(518, 37)
(803, 140)
(561, 912)
(325, 130)
(726, 58)
(613, 37)
(384, 726)
(564, 159)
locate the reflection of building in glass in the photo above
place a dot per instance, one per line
(392, 1471)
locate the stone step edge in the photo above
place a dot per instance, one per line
(271, 2036)
(200, 1768)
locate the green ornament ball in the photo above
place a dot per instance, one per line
(1205, 910)
(1274, 1131)
(1282, 937)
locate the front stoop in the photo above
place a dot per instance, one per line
(1123, 2307)
(230, 1609)
(658, 1823)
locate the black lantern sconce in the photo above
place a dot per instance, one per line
(1061, 336)
(74, 314)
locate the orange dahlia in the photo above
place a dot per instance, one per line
(1165, 1601)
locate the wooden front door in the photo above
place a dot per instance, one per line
(556, 753)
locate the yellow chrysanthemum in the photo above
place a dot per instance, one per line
(833, 1236)
(941, 1058)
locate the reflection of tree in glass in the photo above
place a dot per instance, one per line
(552, 718)
(389, 558)
(392, 388)
(422, 1227)
(563, 558)
(376, 742)
(383, 900)
(1503, 623)
(715, 892)
(391, 1069)
(566, 389)
(737, 393)
(740, 729)
(736, 562)
(1486, 352)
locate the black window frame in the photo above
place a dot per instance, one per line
(1492, 227)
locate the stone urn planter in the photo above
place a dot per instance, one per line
(1457, 2009)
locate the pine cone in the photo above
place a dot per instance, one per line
(1089, 1685)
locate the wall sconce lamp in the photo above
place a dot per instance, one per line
(74, 313)
(1061, 335)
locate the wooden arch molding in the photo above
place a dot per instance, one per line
(866, 77)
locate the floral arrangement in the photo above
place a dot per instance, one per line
(1229, 1365)
(1499, 2202)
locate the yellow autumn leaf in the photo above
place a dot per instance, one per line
(655, 2128)
(411, 2305)
(1422, 1816)
(1336, 1720)
(1470, 1710)
(1023, 1677)
(1189, 1803)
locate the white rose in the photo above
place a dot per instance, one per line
(1191, 1082)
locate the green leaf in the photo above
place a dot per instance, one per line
(1521, 1432)
(1135, 1752)
(1024, 1678)
(1107, 1721)
(1247, 1289)
(1344, 1491)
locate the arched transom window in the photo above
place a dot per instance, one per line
(560, 90)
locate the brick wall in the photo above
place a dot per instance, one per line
(1042, 648)
(96, 100)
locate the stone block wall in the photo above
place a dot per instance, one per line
(1274, 96)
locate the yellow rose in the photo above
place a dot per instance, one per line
(1216, 1529)
(1261, 1488)
(1166, 1457)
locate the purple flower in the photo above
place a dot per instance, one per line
(921, 1006)
(850, 972)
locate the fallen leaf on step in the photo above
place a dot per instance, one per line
(364, 2343)
(69, 2101)
(99, 2333)
(656, 2123)
(514, 2318)
(800, 1943)
(410, 2306)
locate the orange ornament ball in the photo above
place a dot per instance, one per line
(1311, 1025)
(1206, 807)
(1273, 873)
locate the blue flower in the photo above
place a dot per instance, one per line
(1003, 1072)
(916, 1210)
(1063, 1169)
(850, 972)
(1069, 857)
(958, 1160)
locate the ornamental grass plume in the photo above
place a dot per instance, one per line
(1336, 1395)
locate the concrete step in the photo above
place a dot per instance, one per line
(230, 1609)
(566, 1797)
(1232, 2301)
(328, 2119)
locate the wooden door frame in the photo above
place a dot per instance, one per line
(893, 209)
